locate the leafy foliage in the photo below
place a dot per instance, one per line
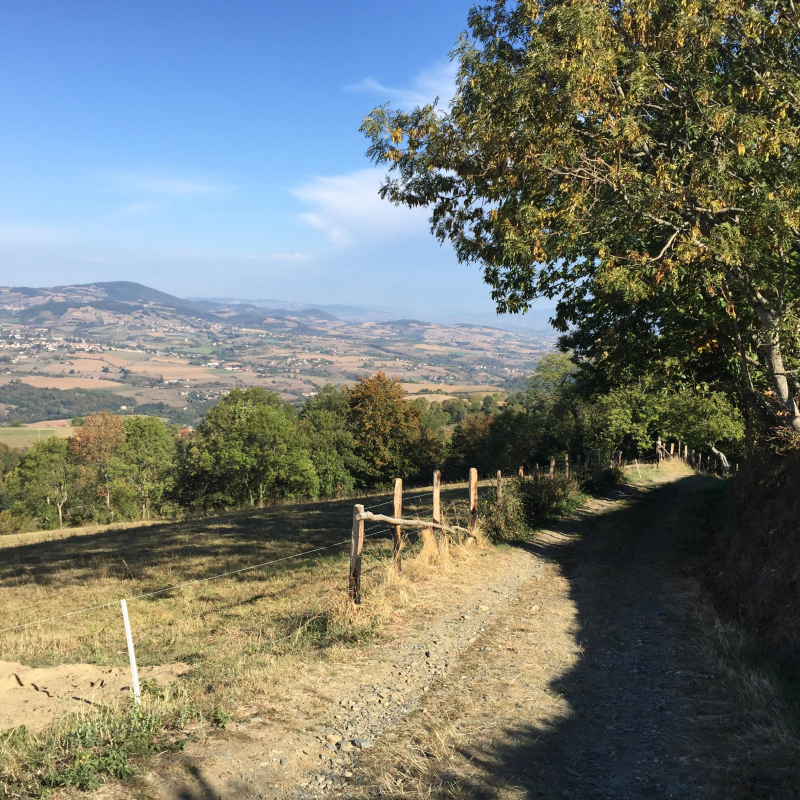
(389, 437)
(43, 483)
(638, 161)
(248, 451)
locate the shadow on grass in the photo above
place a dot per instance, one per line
(232, 541)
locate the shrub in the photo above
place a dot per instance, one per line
(547, 497)
(504, 519)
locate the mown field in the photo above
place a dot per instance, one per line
(233, 639)
(44, 574)
(25, 437)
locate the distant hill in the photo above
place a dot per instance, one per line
(42, 305)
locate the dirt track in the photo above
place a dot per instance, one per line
(568, 668)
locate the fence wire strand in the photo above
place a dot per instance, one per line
(185, 584)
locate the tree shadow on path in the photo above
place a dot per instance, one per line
(627, 733)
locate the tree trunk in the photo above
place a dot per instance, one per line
(726, 465)
(773, 356)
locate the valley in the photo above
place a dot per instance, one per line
(145, 347)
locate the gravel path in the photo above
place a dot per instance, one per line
(555, 670)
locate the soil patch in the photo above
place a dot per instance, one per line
(37, 697)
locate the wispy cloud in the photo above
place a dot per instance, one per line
(346, 208)
(436, 81)
(165, 185)
(137, 209)
(211, 255)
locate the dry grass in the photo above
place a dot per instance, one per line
(244, 636)
(749, 721)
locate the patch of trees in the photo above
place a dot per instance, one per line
(35, 404)
(254, 449)
(559, 413)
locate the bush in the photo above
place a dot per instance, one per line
(7, 522)
(548, 497)
(527, 502)
(504, 519)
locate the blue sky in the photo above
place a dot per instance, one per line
(212, 148)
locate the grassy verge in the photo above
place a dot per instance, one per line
(759, 736)
(243, 636)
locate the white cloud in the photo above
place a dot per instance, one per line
(436, 81)
(346, 208)
(211, 255)
(165, 185)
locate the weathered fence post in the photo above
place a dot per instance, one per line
(686, 452)
(552, 468)
(566, 464)
(398, 533)
(671, 449)
(536, 472)
(658, 453)
(356, 549)
(499, 485)
(473, 497)
(437, 504)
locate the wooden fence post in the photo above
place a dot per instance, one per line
(398, 533)
(658, 453)
(536, 472)
(499, 485)
(356, 549)
(686, 452)
(521, 472)
(473, 497)
(671, 449)
(552, 468)
(437, 504)
(566, 464)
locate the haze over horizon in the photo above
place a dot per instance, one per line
(214, 151)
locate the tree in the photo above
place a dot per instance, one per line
(43, 482)
(637, 160)
(147, 460)
(93, 447)
(249, 450)
(702, 420)
(390, 441)
(324, 420)
(469, 447)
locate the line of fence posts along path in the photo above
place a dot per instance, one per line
(360, 515)
(435, 523)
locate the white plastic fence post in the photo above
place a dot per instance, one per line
(137, 696)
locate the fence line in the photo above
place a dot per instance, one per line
(185, 584)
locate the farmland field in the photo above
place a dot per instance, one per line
(25, 437)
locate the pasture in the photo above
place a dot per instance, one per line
(28, 435)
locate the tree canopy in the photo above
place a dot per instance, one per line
(638, 161)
